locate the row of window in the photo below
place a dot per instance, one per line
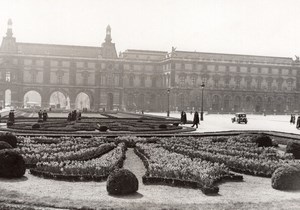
(233, 69)
(89, 65)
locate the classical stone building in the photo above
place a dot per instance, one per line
(140, 79)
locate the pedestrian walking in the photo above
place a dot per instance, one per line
(298, 122)
(181, 117)
(184, 120)
(45, 115)
(40, 113)
(196, 119)
(11, 116)
(294, 119)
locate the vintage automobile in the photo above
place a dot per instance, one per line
(240, 118)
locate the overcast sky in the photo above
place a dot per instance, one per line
(257, 27)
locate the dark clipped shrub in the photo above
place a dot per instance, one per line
(5, 145)
(12, 164)
(176, 124)
(40, 120)
(262, 140)
(103, 128)
(36, 126)
(163, 126)
(294, 148)
(286, 177)
(9, 138)
(9, 123)
(122, 182)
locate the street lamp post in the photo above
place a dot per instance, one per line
(201, 114)
(168, 111)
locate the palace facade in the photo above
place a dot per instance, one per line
(147, 80)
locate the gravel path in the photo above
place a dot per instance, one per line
(135, 165)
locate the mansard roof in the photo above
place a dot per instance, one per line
(231, 57)
(59, 50)
(132, 54)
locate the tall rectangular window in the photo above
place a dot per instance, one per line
(7, 76)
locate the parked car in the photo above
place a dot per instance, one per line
(240, 118)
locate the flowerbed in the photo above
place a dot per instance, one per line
(95, 169)
(67, 149)
(163, 164)
(237, 153)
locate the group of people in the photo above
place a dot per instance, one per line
(74, 115)
(196, 120)
(293, 120)
(43, 115)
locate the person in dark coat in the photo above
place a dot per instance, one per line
(45, 115)
(294, 119)
(196, 120)
(70, 116)
(298, 122)
(40, 113)
(11, 116)
(184, 120)
(79, 115)
(181, 117)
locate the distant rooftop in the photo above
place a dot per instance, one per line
(59, 50)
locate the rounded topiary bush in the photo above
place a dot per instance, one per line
(163, 126)
(103, 128)
(12, 164)
(286, 177)
(262, 140)
(176, 124)
(122, 182)
(5, 145)
(36, 126)
(9, 138)
(294, 148)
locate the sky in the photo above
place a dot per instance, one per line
(253, 27)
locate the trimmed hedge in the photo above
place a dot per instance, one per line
(5, 145)
(262, 140)
(9, 138)
(36, 126)
(294, 148)
(122, 182)
(287, 177)
(103, 128)
(12, 164)
(163, 126)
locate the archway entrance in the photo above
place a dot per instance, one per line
(32, 99)
(258, 105)
(59, 100)
(82, 101)
(237, 104)
(110, 101)
(7, 98)
(215, 103)
(226, 103)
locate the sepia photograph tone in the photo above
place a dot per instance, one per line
(137, 105)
